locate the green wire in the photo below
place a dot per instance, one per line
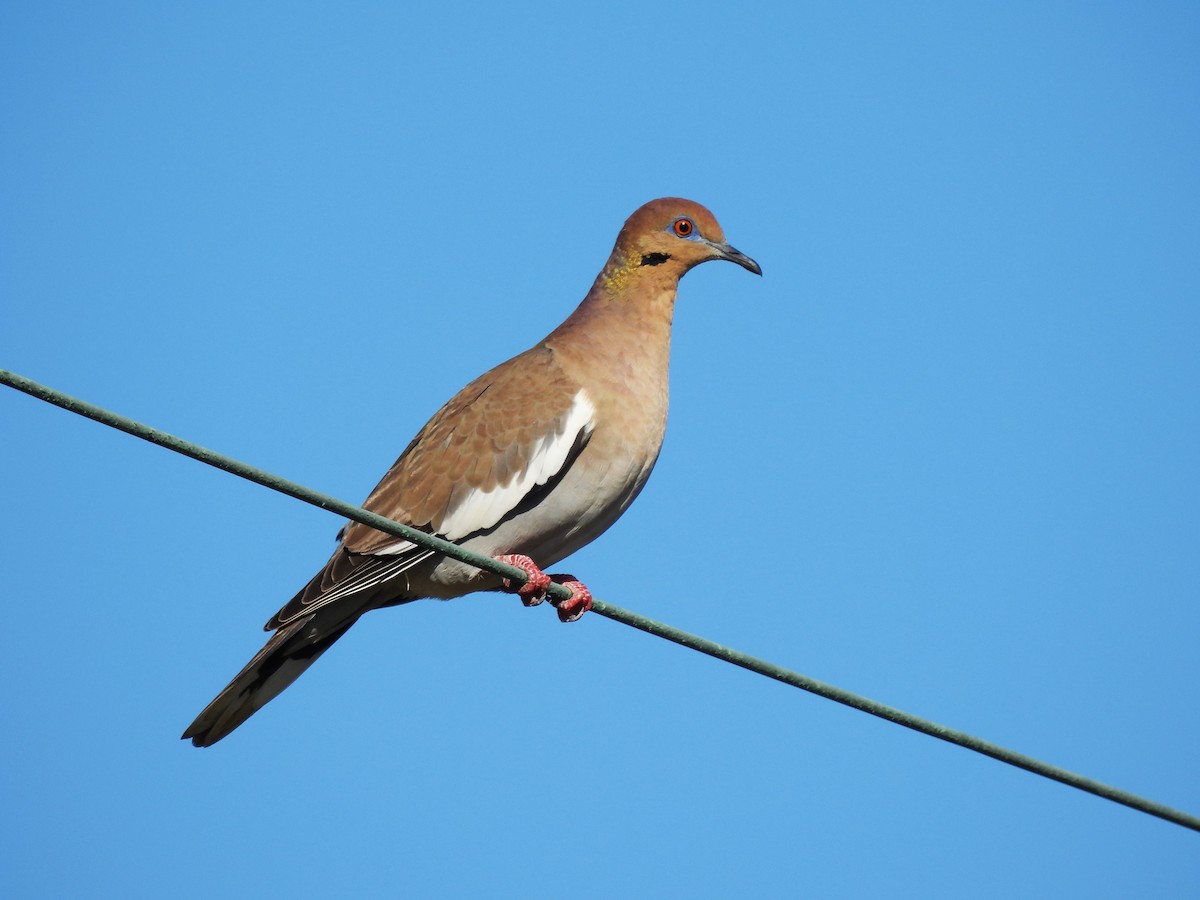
(608, 610)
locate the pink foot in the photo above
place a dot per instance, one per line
(577, 604)
(533, 591)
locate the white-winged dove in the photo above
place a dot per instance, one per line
(527, 463)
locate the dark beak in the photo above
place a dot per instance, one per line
(737, 256)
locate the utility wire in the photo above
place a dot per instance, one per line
(608, 610)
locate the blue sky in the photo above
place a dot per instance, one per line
(943, 454)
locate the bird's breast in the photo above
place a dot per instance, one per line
(625, 378)
(578, 506)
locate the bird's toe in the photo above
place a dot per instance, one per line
(533, 591)
(580, 601)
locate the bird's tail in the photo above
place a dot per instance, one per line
(290, 651)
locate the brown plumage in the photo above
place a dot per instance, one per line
(533, 459)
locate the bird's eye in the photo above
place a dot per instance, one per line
(684, 227)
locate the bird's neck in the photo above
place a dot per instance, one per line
(631, 298)
(629, 276)
(625, 318)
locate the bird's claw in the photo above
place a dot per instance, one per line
(580, 601)
(533, 591)
(537, 583)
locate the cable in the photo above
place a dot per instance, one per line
(608, 610)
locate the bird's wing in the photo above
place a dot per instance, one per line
(493, 449)
(347, 575)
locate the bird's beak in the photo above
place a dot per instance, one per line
(737, 256)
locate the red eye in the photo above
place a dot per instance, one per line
(684, 227)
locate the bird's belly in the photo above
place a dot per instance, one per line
(575, 512)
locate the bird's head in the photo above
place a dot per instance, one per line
(675, 234)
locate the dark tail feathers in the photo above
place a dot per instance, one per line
(290, 651)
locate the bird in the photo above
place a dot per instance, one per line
(526, 464)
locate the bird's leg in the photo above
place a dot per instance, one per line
(578, 603)
(533, 591)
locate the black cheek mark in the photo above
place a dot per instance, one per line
(655, 259)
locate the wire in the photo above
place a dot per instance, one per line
(608, 610)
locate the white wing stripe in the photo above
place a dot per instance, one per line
(483, 509)
(402, 546)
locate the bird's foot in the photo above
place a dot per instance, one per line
(533, 591)
(577, 604)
